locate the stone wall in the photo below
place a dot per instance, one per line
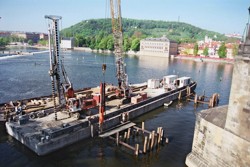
(222, 134)
(238, 118)
(215, 146)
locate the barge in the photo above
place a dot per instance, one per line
(45, 134)
(47, 124)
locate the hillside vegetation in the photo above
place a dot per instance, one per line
(88, 31)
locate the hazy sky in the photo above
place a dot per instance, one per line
(223, 16)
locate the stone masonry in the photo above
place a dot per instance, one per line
(222, 134)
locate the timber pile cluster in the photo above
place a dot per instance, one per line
(140, 140)
(211, 101)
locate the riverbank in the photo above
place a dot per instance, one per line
(130, 53)
(85, 49)
(205, 59)
(194, 58)
(14, 54)
(27, 46)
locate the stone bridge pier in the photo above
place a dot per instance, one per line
(222, 134)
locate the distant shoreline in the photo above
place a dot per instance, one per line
(28, 46)
(185, 57)
(205, 59)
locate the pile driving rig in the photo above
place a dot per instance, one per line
(63, 94)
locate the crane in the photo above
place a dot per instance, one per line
(122, 77)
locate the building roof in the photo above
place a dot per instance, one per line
(67, 38)
(162, 39)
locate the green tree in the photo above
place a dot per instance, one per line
(103, 43)
(205, 51)
(235, 49)
(80, 40)
(88, 41)
(135, 46)
(110, 43)
(3, 41)
(126, 44)
(99, 38)
(196, 48)
(67, 33)
(30, 42)
(92, 43)
(222, 52)
(43, 42)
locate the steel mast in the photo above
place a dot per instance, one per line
(54, 72)
(115, 9)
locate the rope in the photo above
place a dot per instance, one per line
(106, 32)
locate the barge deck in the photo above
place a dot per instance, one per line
(45, 135)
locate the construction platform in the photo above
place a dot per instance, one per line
(45, 135)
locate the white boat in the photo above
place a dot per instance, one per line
(168, 104)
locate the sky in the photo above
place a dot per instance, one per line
(223, 16)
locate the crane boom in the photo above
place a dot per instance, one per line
(122, 77)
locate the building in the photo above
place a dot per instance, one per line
(67, 43)
(234, 35)
(5, 34)
(44, 36)
(162, 47)
(28, 36)
(212, 46)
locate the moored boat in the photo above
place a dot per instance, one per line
(45, 134)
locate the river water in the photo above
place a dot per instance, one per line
(27, 76)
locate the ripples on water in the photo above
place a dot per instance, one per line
(27, 76)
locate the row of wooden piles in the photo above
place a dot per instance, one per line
(150, 140)
(202, 99)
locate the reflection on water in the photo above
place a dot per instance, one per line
(26, 77)
(159, 63)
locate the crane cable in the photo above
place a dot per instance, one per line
(104, 66)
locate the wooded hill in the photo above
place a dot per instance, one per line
(178, 31)
(97, 33)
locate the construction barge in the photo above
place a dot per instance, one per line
(47, 124)
(45, 134)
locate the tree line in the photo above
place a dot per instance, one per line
(105, 41)
(3, 41)
(13, 38)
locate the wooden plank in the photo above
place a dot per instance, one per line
(204, 102)
(145, 144)
(118, 129)
(126, 145)
(135, 127)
